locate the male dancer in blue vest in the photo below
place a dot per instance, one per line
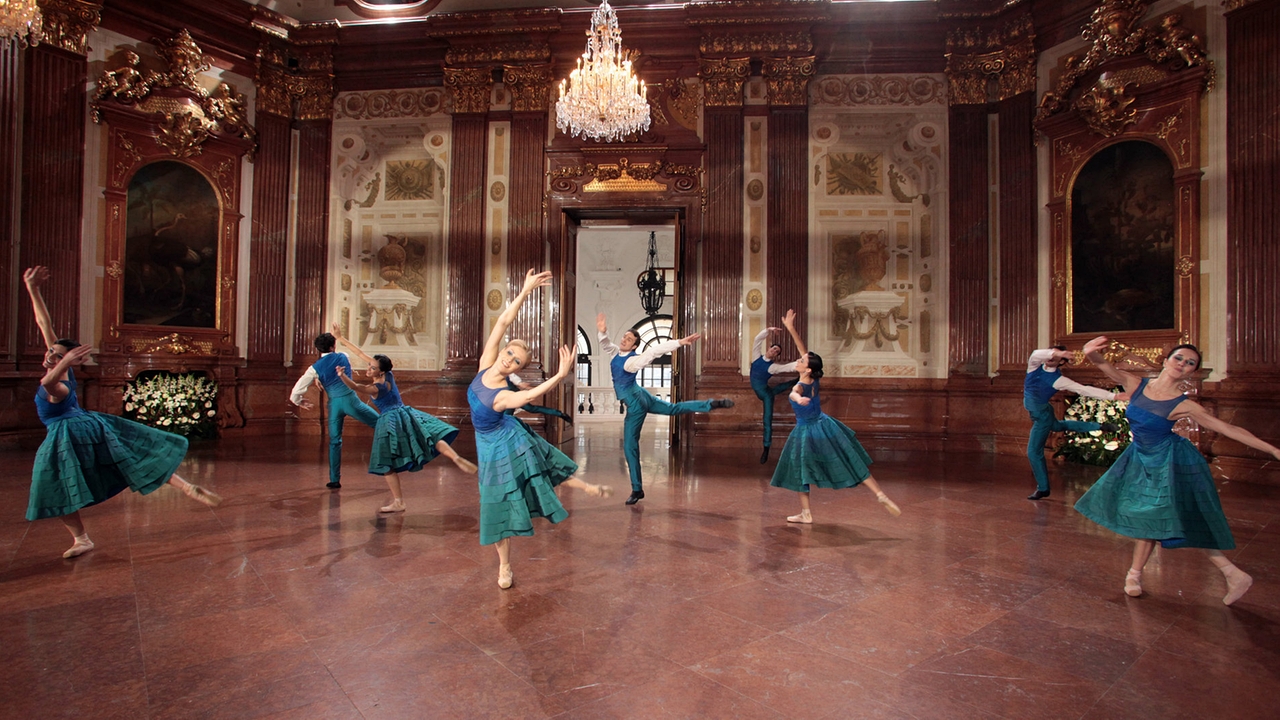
(763, 368)
(515, 384)
(640, 402)
(342, 401)
(1043, 381)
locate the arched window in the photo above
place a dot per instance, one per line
(584, 358)
(654, 330)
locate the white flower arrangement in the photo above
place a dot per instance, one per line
(182, 404)
(1096, 447)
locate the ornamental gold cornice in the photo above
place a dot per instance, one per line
(173, 344)
(67, 23)
(975, 56)
(495, 22)
(471, 88)
(788, 80)
(757, 44)
(530, 87)
(756, 12)
(1113, 32)
(315, 97)
(722, 80)
(498, 53)
(376, 104)
(611, 176)
(879, 90)
(303, 92)
(273, 91)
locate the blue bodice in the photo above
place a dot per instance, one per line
(388, 394)
(1038, 388)
(1149, 419)
(483, 417)
(623, 381)
(325, 368)
(52, 412)
(806, 414)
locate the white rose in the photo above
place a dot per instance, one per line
(1113, 445)
(128, 407)
(212, 413)
(1096, 433)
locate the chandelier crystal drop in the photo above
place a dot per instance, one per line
(20, 21)
(602, 99)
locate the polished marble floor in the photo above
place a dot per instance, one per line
(291, 600)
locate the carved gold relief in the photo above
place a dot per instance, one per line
(296, 86)
(530, 87)
(389, 104)
(470, 87)
(1107, 107)
(684, 97)
(410, 180)
(182, 133)
(173, 343)
(1006, 55)
(755, 299)
(879, 90)
(643, 174)
(788, 80)
(762, 43)
(495, 54)
(115, 270)
(722, 80)
(1168, 126)
(67, 23)
(494, 300)
(1185, 266)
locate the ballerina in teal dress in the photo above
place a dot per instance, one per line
(88, 457)
(405, 438)
(820, 451)
(1160, 488)
(519, 470)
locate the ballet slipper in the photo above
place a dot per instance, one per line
(1133, 583)
(889, 505)
(505, 577)
(81, 546)
(600, 491)
(465, 465)
(199, 494)
(804, 518)
(1238, 583)
(396, 506)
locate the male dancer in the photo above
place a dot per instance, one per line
(763, 368)
(640, 402)
(342, 401)
(515, 384)
(1043, 381)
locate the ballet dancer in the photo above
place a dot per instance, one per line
(405, 438)
(518, 469)
(1043, 381)
(88, 457)
(1160, 488)
(763, 368)
(342, 401)
(515, 384)
(820, 450)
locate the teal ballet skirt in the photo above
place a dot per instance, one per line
(1160, 487)
(89, 457)
(820, 451)
(404, 440)
(518, 470)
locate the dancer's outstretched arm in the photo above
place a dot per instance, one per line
(1093, 351)
(337, 335)
(1196, 411)
(346, 379)
(532, 281)
(602, 334)
(508, 399)
(639, 361)
(52, 380)
(34, 277)
(789, 322)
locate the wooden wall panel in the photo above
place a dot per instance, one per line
(311, 259)
(269, 240)
(466, 242)
(722, 239)
(788, 219)
(1018, 234)
(525, 242)
(52, 187)
(967, 195)
(10, 170)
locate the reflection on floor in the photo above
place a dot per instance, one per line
(291, 600)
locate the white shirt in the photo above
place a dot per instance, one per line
(637, 362)
(757, 350)
(304, 383)
(1040, 357)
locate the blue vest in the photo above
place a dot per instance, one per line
(623, 382)
(760, 373)
(1038, 388)
(325, 367)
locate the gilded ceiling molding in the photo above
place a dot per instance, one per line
(494, 23)
(1113, 31)
(977, 56)
(998, 8)
(471, 88)
(530, 87)
(788, 80)
(879, 90)
(497, 53)
(756, 12)
(378, 104)
(192, 114)
(757, 44)
(722, 80)
(67, 23)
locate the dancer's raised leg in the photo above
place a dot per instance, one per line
(888, 504)
(463, 464)
(1238, 581)
(600, 491)
(195, 492)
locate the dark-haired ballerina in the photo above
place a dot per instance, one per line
(624, 366)
(763, 368)
(518, 469)
(1160, 488)
(88, 457)
(405, 438)
(515, 384)
(342, 401)
(820, 450)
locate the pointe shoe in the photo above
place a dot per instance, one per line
(466, 465)
(889, 505)
(396, 506)
(1238, 583)
(804, 518)
(1133, 583)
(81, 546)
(600, 491)
(199, 494)
(505, 577)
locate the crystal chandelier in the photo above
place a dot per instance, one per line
(19, 20)
(602, 99)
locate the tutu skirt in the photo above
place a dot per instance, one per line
(824, 453)
(1164, 494)
(90, 457)
(518, 473)
(405, 439)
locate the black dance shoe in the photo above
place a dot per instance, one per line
(721, 403)
(1109, 427)
(1038, 495)
(636, 496)
(334, 485)
(764, 456)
